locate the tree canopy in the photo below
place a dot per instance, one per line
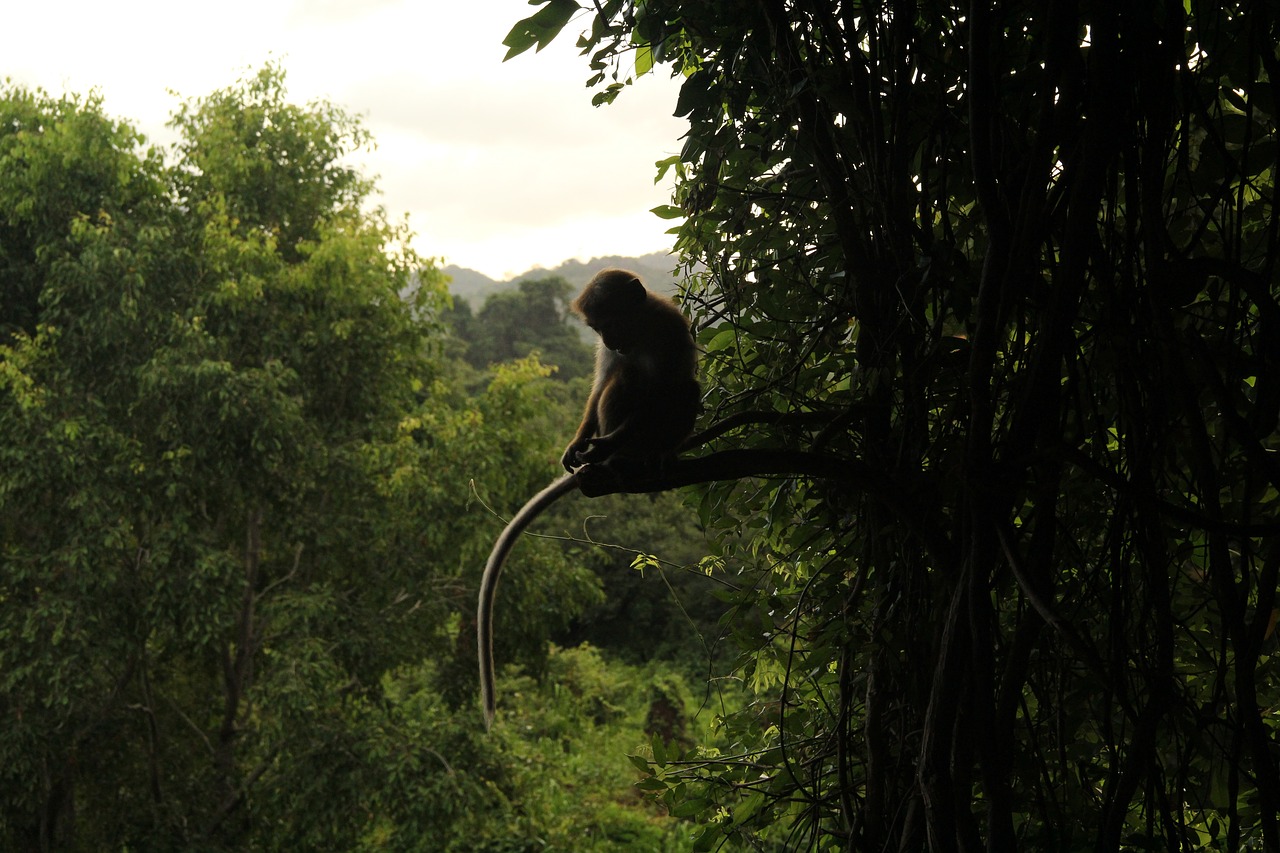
(236, 527)
(998, 283)
(512, 324)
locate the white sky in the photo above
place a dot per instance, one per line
(500, 166)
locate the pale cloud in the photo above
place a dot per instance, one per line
(335, 11)
(499, 166)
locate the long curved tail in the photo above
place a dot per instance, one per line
(489, 583)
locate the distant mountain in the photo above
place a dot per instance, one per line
(655, 268)
(471, 285)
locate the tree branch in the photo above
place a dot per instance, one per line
(598, 480)
(759, 416)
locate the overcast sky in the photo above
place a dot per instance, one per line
(500, 166)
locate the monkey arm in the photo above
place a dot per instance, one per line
(631, 435)
(581, 444)
(654, 420)
(596, 448)
(583, 439)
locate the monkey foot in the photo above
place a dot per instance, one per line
(598, 479)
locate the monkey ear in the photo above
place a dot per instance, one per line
(635, 289)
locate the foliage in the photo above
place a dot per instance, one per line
(238, 542)
(658, 603)
(1009, 272)
(277, 167)
(568, 737)
(61, 162)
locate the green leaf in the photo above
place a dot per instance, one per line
(747, 809)
(539, 28)
(690, 808)
(696, 92)
(644, 60)
(659, 750)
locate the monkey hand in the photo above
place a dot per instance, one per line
(596, 450)
(571, 458)
(586, 451)
(597, 480)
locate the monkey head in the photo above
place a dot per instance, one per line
(609, 305)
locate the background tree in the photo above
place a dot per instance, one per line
(239, 520)
(1007, 275)
(277, 167)
(180, 409)
(649, 555)
(512, 324)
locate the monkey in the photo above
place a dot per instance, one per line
(643, 403)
